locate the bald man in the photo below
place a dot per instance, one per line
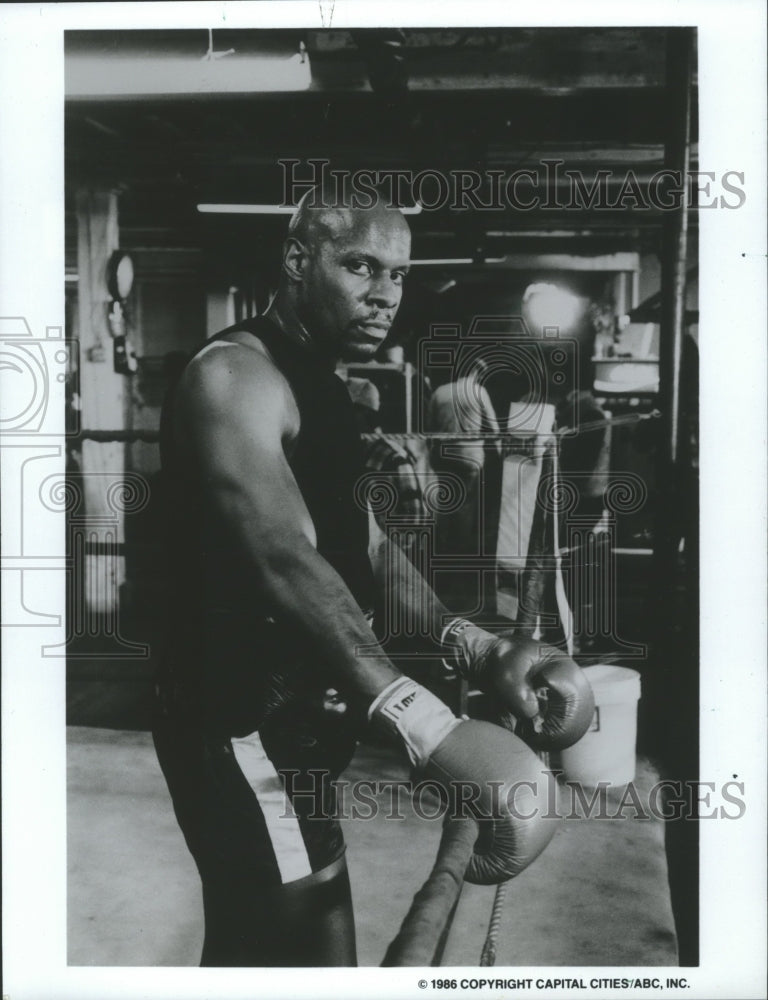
(276, 583)
(275, 592)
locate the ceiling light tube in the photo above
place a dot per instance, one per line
(234, 209)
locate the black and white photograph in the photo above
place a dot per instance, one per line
(384, 500)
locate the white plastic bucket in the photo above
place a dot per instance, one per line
(606, 752)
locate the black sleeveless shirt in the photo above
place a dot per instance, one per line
(227, 640)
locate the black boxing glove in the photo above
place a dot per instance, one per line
(541, 686)
(483, 770)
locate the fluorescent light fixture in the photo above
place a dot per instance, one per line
(246, 209)
(134, 73)
(224, 209)
(459, 260)
(443, 260)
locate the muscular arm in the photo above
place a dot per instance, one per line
(237, 414)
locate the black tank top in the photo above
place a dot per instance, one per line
(227, 639)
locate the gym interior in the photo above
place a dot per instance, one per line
(554, 273)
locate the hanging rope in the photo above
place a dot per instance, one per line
(488, 954)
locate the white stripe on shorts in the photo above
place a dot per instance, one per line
(282, 822)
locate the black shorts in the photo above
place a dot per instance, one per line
(257, 811)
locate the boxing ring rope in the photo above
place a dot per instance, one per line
(153, 436)
(118, 436)
(424, 931)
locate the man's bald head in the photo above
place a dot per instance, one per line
(320, 218)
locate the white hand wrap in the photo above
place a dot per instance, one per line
(417, 717)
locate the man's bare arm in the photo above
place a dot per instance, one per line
(236, 415)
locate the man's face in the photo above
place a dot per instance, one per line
(352, 284)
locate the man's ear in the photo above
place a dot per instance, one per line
(294, 259)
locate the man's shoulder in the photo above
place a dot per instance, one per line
(233, 373)
(233, 361)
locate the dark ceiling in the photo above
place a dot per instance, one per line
(442, 99)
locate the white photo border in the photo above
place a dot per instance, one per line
(732, 102)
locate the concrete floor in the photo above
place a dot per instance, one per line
(597, 896)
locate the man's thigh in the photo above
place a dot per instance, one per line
(258, 815)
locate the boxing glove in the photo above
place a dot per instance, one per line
(542, 687)
(483, 771)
